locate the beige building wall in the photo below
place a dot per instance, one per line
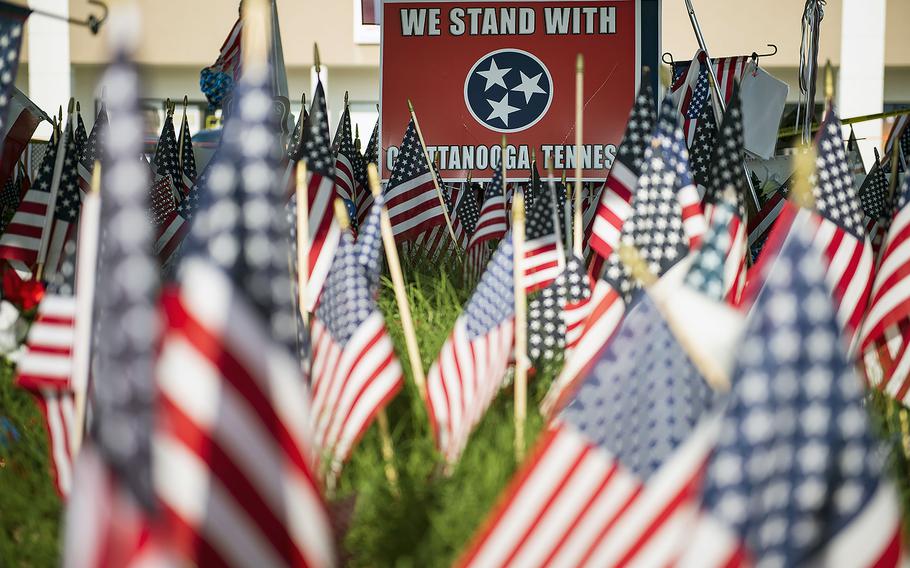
(181, 37)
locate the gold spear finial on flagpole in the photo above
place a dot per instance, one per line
(316, 61)
(346, 100)
(71, 106)
(829, 82)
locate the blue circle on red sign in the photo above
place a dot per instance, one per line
(508, 90)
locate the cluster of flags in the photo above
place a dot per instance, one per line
(204, 381)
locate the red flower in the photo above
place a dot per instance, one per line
(22, 293)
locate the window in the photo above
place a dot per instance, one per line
(366, 34)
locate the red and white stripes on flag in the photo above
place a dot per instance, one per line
(886, 329)
(21, 241)
(463, 381)
(46, 370)
(848, 264)
(735, 257)
(602, 315)
(234, 466)
(614, 208)
(414, 207)
(351, 383)
(544, 261)
(24, 117)
(323, 232)
(728, 71)
(575, 504)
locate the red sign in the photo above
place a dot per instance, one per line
(476, 71)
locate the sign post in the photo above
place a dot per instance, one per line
(481, 69)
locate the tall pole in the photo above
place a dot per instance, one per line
(720, 97)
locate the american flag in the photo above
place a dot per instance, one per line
(465, 214)
(91, 151)
(323, 230)
(692, 86)
(235, 464)
(875, 201)
(796, 477)
(855, 159)
(21, 119)
(657, 229)
(544, 255)
(81, 134)
(884, 329)
(616, 197)
(109, 515)
(20, 242)
(370, 156)
(171, 232)
(900, 135)
(347, 182)
(614, 480)
(166, 162)
(187, 157)
(703, 147)
(46, 369)
(355, 371)
(66, 207)
(727, 177)
(294, 148)
(491, 225)
(414, 206)
(708, 273)
(161, 202)
(492, 222)
(11, 194)
(759, 227)
(556, 315)
(470, 367)
(12, 20)
(841, 233)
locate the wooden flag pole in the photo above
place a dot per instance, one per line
(401, 297)
(577, 245)
(86, 267)
(521, 324)
(303, 240)
(388, 452)
(426, 156)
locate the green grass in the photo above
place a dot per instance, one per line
(29, 506)
(431, 517)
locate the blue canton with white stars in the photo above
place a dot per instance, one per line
(493, 301)
(69, 197)
(347, 300)
(707, 271)
(92, 149)
(835, 196)
(411, 162)
(166, 160)
(727, 159)
(316, 147)
(369, 246)
(643, 397)
(11, 24)
(508, 90)
(796, 460)
(541, 213)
